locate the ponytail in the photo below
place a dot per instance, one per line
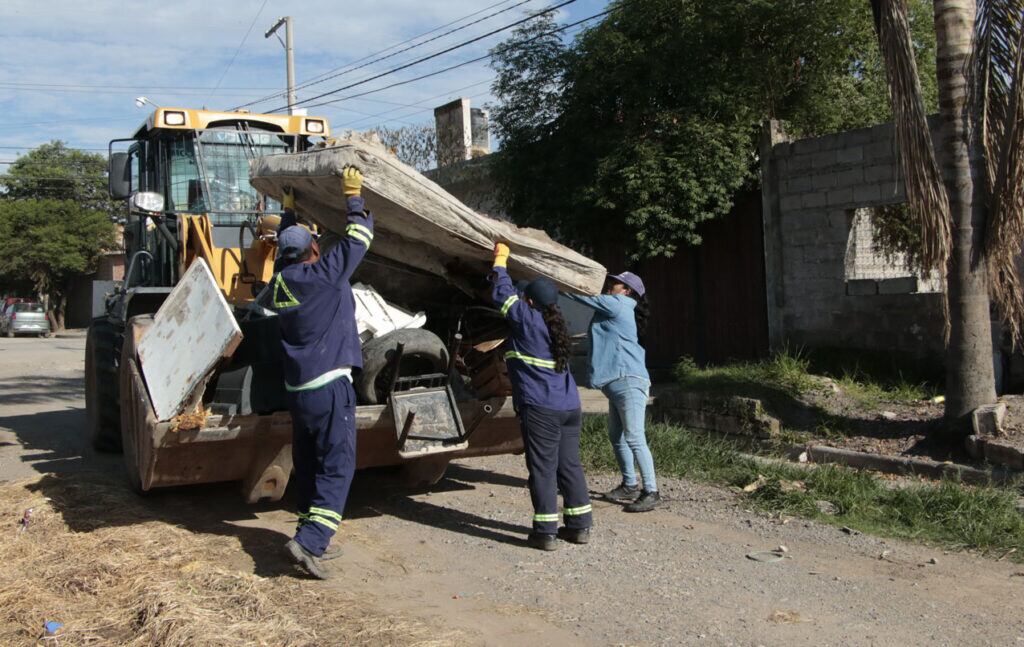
(561, 349)
(642, 313)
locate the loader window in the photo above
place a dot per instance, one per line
(225, 156)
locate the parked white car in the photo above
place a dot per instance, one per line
(28, 318)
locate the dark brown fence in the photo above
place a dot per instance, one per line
(708, 302)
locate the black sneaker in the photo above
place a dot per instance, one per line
(307, 560)
(574, 535)
(647, 502)
(541, 541)
(623, 493)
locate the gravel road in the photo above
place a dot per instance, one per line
(454, 555)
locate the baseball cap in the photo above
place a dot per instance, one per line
(631, 281)
(293, 243)
(542, 291)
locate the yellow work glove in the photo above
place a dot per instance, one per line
(288, 200)
(501, 252)
(352, 180)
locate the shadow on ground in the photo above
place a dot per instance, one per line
(37, 389)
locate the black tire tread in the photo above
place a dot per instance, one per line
(103, 344)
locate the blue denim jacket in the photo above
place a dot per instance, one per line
(615, 350)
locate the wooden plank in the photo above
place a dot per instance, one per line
(191, 332)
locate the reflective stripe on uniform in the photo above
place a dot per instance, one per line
(323, 380)
(573, 512)
(281, 286)
(360, 233)
(532, 361)
(546, 517)
(508, 304)
(325, 517)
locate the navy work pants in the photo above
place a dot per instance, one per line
(324, 456)
(552, 440)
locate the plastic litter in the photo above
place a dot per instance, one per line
(51, 627)
(26, 517)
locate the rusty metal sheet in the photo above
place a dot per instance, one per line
(191, 331)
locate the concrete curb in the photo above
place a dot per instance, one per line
(901, 465)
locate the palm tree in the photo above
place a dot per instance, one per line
(971, 207)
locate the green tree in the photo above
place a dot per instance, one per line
(968, 201)
(48, 242)
(646, 124)
(55, 172)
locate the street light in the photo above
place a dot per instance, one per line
(289, 56)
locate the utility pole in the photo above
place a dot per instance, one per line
(289, 56)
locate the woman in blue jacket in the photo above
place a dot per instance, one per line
(548, 404)
(617, 367)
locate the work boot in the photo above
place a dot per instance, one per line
(307, 560)
(574, 535)
(647, 501)
(623, 493)
(541, 541)
(332, 552)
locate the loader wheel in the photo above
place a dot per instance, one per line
(134, 430)
(423, 472)
(423, 353)
(102, 395)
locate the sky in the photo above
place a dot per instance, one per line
(72, 70)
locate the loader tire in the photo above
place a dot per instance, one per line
(423, 353)
(102, 395)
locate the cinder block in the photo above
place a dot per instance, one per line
(880, 172)
(867, 193)
(881, 150)
(799, 183)
(987, 421)
(850, 177)
(823, 181)
(813, 200)
(799, 163)
(823, 160)
(850, 155)
(861, 287)
(901, 285)
(892, 191)
(791, 202)
(840, 196)
(803, 146)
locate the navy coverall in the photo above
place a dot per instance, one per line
(548, 405)
(321, 346)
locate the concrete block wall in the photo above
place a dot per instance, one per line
(813, 189)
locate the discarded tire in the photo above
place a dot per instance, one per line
(423, 352)
(102, 395)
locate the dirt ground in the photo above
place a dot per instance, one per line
(454, 555)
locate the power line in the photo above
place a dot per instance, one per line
(465, 63)
(320, 78)
(415, 105)
(224, 92)
(64, 121)
(238, 49)
(435, 55)
(414, 46)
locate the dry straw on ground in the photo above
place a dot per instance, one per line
(116, 576)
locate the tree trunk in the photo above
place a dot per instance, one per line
(970, 380)
(59, 305)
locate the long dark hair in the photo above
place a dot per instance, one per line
(561, 348)
(642, 313)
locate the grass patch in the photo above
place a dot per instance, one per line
(793, 374)
(948, 513)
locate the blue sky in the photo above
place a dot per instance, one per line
(71, 70)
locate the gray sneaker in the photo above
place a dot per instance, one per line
(645, 503)
(623, 493)
(307, 560)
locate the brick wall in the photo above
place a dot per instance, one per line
(827, 288)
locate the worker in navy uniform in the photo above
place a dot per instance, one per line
(548, 404)
(316, 309)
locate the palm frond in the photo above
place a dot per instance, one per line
(996, 77)
(926, 195)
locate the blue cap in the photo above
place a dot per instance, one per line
(542, 292)
(631, 281)
(293, 243)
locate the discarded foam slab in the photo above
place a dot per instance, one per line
(417, 223)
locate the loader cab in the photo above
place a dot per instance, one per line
(185, 178)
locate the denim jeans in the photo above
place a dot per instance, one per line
(627, 410)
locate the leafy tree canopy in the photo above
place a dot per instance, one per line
(647, 123)
(55, 172)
